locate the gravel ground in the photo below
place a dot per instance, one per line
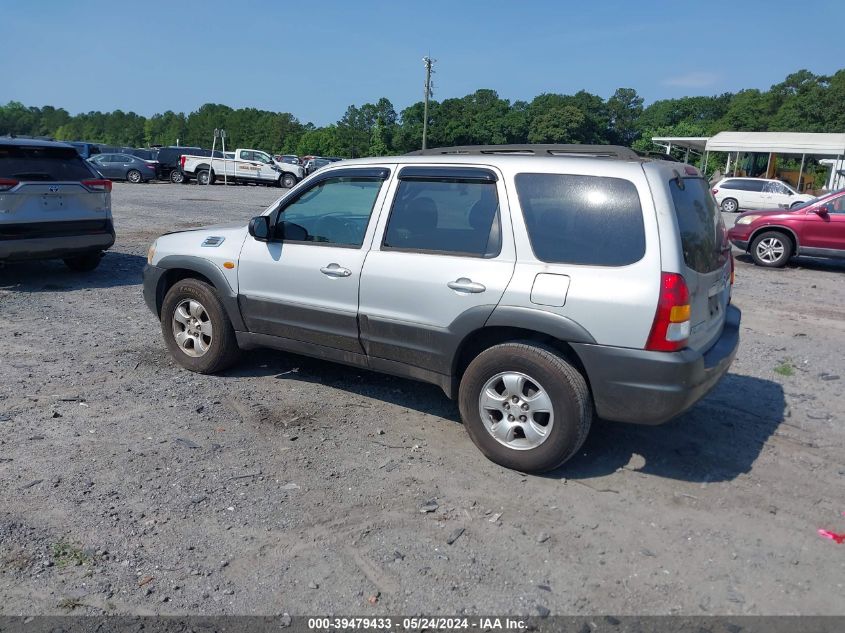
(128, 485)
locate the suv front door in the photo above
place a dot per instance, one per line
(439, 266)
(825, 231)
(303, 283)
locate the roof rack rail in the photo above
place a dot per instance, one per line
(594, 151)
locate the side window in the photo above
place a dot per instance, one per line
(837, 205)
(335, 211)
(755, 185)
(245, 155)
(729, 184)
(447, 215)
(589, 220)
(261, 157)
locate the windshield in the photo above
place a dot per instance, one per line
(813, 201)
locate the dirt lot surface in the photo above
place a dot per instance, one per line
(128, 485)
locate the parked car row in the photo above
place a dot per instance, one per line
(180, 164)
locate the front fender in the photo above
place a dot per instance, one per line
(173, 267)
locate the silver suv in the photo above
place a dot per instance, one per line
(537, 285)
(52, 204)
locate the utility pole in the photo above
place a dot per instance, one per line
(428, 62)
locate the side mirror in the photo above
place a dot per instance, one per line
(822, 210)
(259, 228)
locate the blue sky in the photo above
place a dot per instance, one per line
(315, 57)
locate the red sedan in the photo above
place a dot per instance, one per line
(815, 229)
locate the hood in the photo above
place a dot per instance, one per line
(229, 226)
(767, 213)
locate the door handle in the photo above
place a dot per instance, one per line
(466, 285)
(335, 270)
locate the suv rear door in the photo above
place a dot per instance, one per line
(44, 184)
(706, 258)
(442, 259)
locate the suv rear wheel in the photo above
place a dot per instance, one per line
(83, 263)
(525, 407)
(177, 177)
(196, 329)
(771, 249)
(729, 205)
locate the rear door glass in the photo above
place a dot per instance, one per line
(703, 234)
(589, 220)
(42, 164)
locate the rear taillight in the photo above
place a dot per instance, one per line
(733, 268)
(8, 183)
(671, 328)
(98, 185)
(715, 191)
(182, 162)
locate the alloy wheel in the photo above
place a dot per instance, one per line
(192, 328)
(516, 410)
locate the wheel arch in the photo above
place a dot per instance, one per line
(180, 267)
(777, 228)
(485, 337)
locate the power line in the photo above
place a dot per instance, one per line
(429, 63)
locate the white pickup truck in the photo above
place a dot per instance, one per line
(241, 166)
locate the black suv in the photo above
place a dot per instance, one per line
(168, 161)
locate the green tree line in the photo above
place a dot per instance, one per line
(803, 102)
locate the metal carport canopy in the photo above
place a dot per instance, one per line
(696, 143)
(778, 142)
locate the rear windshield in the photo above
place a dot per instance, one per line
(587, 220)
(703, 234)
(42, 163)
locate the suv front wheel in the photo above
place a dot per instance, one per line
(771, 249)
(196, 328)
(525, 407)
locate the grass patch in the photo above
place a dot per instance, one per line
(785, 369)
(66, 554)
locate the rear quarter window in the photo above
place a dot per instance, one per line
(702, 231)
(42, 164)
(589, 220)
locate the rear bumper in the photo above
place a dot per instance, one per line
(645, 387)
(53, 241)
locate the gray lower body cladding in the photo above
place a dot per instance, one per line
(644, 387)
(46, 240)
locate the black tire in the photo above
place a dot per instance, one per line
(134, 176)
(205, 177)
(83, 263)
(223, 349)
(177, 177)
(772, 249)
(288, 181)
(565, 386)
(730, 205)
